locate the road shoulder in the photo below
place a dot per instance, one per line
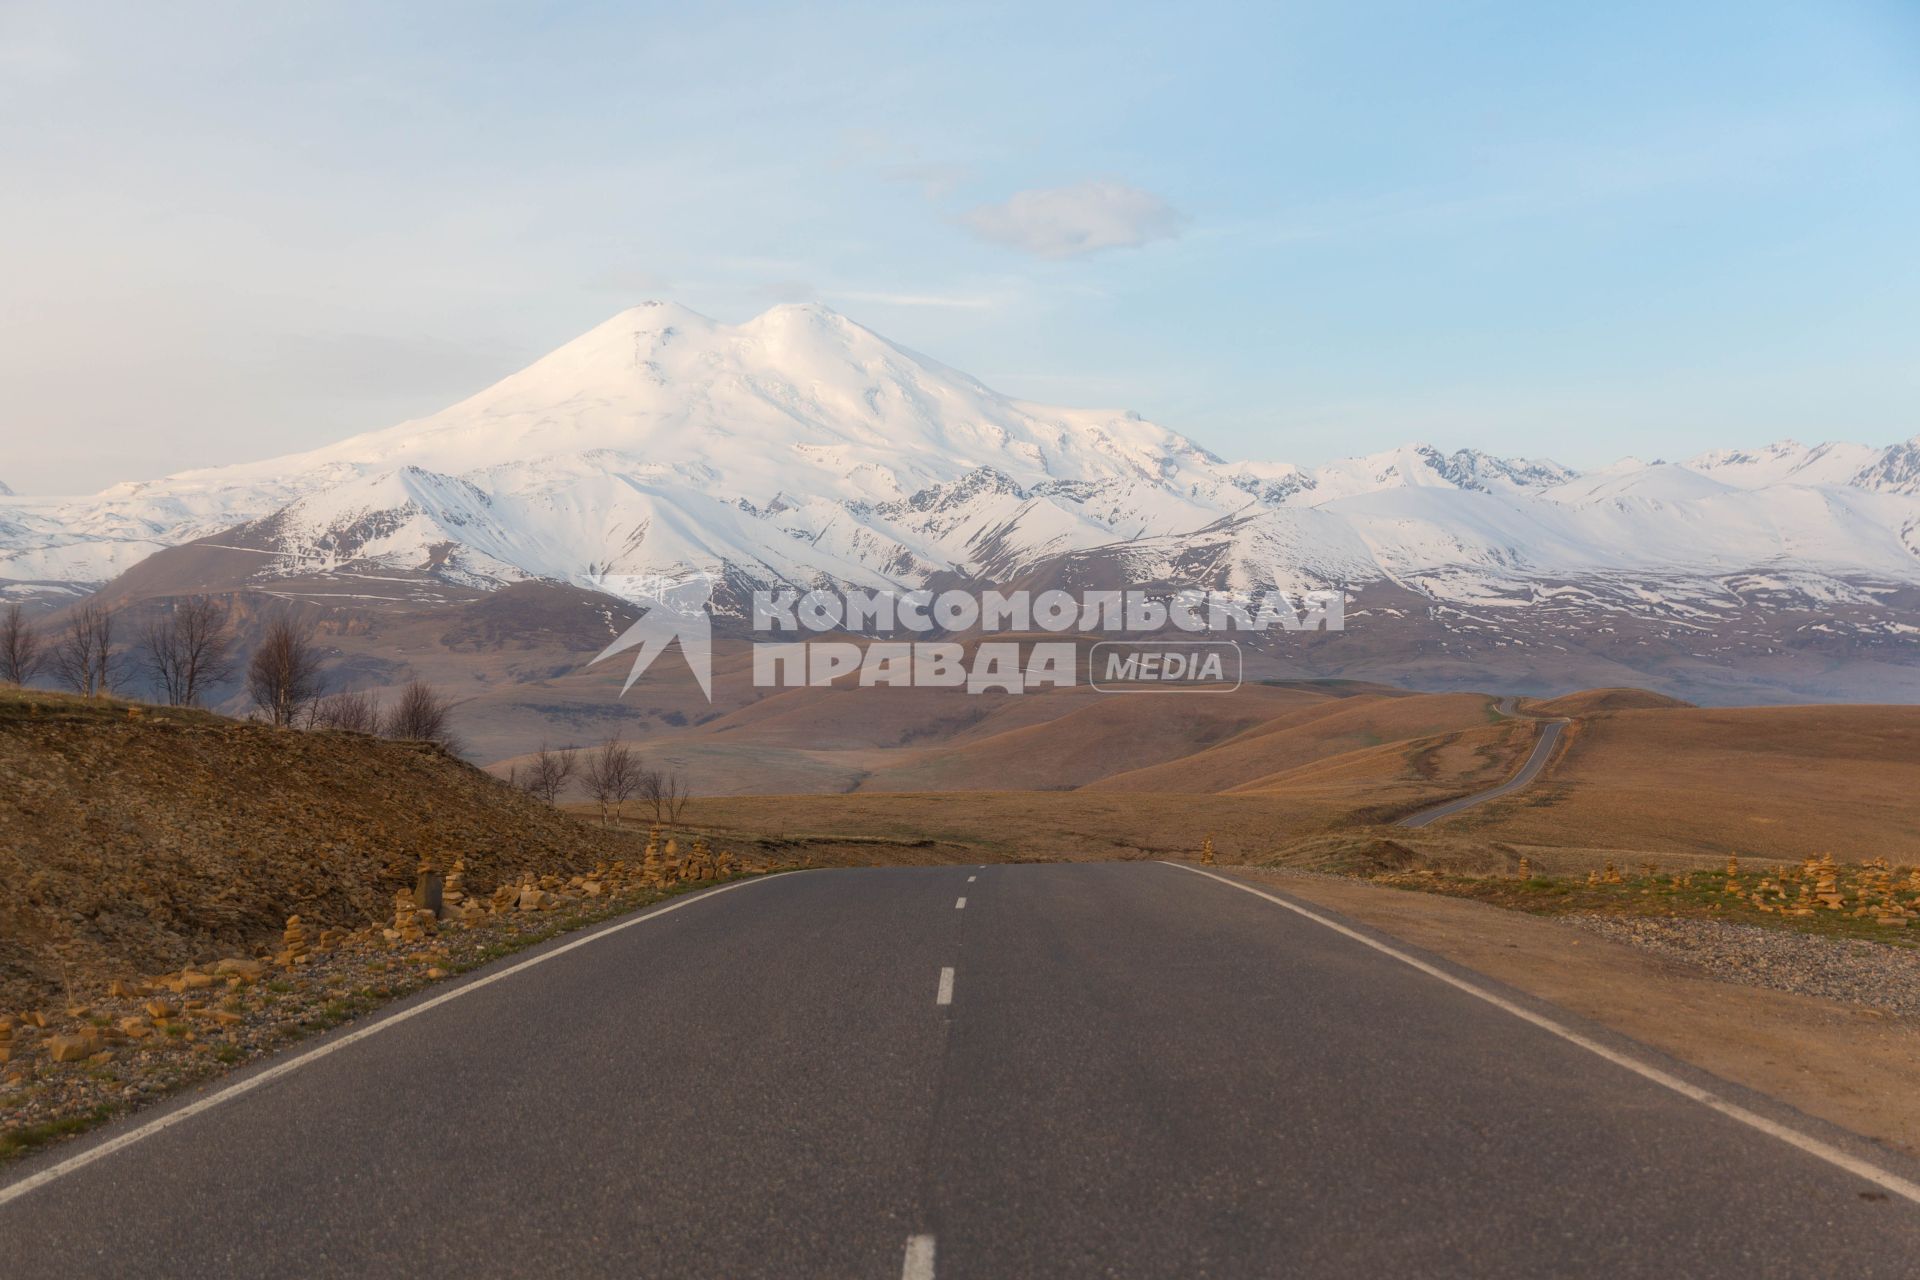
(1845, 1064)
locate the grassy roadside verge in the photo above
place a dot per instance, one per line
(239, 1019)
(1784, 899)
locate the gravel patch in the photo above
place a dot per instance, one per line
(1844, 969)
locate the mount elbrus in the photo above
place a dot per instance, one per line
(801, 449)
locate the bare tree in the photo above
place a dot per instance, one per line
(420, 715)
(610, 775)
(665, 792)
(545, 776)
(188, 650)
(284, 675)
(355, 712)
(21, 652)
(83, 657)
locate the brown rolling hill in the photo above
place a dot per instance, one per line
(1679, 782)
(1789, 782)
(1317, 730)
(1592, 701)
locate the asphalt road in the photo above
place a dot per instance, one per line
(1138, 1070)
(1535, 762)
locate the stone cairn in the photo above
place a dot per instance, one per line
(1206, 852)
(651, 868)
(1525, 870)
(411, 921)
(1815, 885)
(293, 943)
(430, 889)
(699, 861)
(1888, 910)
(1827, 887)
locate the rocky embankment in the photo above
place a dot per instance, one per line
(139, 1038)
(139, 839)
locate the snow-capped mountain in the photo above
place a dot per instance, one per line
(800, 448)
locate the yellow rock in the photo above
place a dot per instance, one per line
(240, 966)
(74, 1048)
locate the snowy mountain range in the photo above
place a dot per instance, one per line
(801, 448)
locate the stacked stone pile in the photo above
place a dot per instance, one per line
(1872, 891)
(293, 943)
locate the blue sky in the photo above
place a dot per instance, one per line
(1292, 231)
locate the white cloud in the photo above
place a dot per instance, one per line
(1064, 222)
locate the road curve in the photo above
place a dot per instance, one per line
(1114, 1070)
(1536, 760)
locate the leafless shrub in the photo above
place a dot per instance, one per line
(188, 650)
(665, 792)
(545, 776)
(283, 677)
(83, 657)
(22, 653)
(610, 775)
(420, 715)
(355, 712)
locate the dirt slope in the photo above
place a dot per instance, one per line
(137, 839)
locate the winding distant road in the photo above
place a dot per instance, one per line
(1113, 1070)
(1529, 770)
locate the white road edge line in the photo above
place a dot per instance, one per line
(919, 1263)
(946, 987)
(960, 905)
(15, 1190)
(1733, 1111)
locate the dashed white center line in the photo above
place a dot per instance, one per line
(971, 879)
(960, 905)
(946, 987)
(919, 1264)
